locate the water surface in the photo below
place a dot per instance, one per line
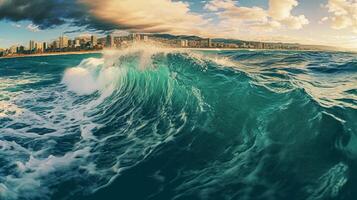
(148, 123)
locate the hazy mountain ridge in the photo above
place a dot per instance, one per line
(240, 42)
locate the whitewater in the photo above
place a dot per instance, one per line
(148, 122)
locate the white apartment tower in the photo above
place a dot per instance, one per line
(63, 42)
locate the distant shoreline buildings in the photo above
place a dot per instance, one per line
(93, 43)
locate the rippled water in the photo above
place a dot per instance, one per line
(151, 123)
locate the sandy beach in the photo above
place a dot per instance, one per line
(50, 54)
(99, 51)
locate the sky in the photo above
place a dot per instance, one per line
(322, 22)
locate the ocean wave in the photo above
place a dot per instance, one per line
(177, 124)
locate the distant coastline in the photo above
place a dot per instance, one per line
(242, 49)
(100, 51)
(50, 54)
(92, 44)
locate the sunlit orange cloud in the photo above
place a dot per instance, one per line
(343, 14)
(149, 16)
(277, 16)
(175, 16)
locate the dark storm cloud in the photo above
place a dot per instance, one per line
(150, 16)
(50, 13)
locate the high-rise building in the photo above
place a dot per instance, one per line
(109, 41)
(32, 45)
(55, 44)
(93, 40)
(20, 49)
(133, 36)
(136, 37)
(44, 46)
(145, 38)
(39, 46)
(184, 43)
(77, 43)
(102, 41)
(63, 42)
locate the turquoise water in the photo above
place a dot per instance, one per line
(148, 123)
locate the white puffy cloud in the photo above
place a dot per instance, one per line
(33, 28)
(323, 20)
(215, 5)
(277, 16)
(245, 14)
(343, 14)
(281, 9)
(16, 25)
(295, 22)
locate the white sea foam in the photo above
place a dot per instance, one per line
(80, 80)
(95, 74)
(33, 166)
(34, 170)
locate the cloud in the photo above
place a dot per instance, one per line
(343, 14)
(256, 18)
(45, 13)
(281, 9)
(16, 25)
(148, 16)
(245, 14)
(33, 28)
(323, 20)
(295, 22)
(164, 16)
(107, 15)
(120, 33)
(51, 13)
(215, 5)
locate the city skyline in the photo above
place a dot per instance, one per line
(121, 40)
(320, 22)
